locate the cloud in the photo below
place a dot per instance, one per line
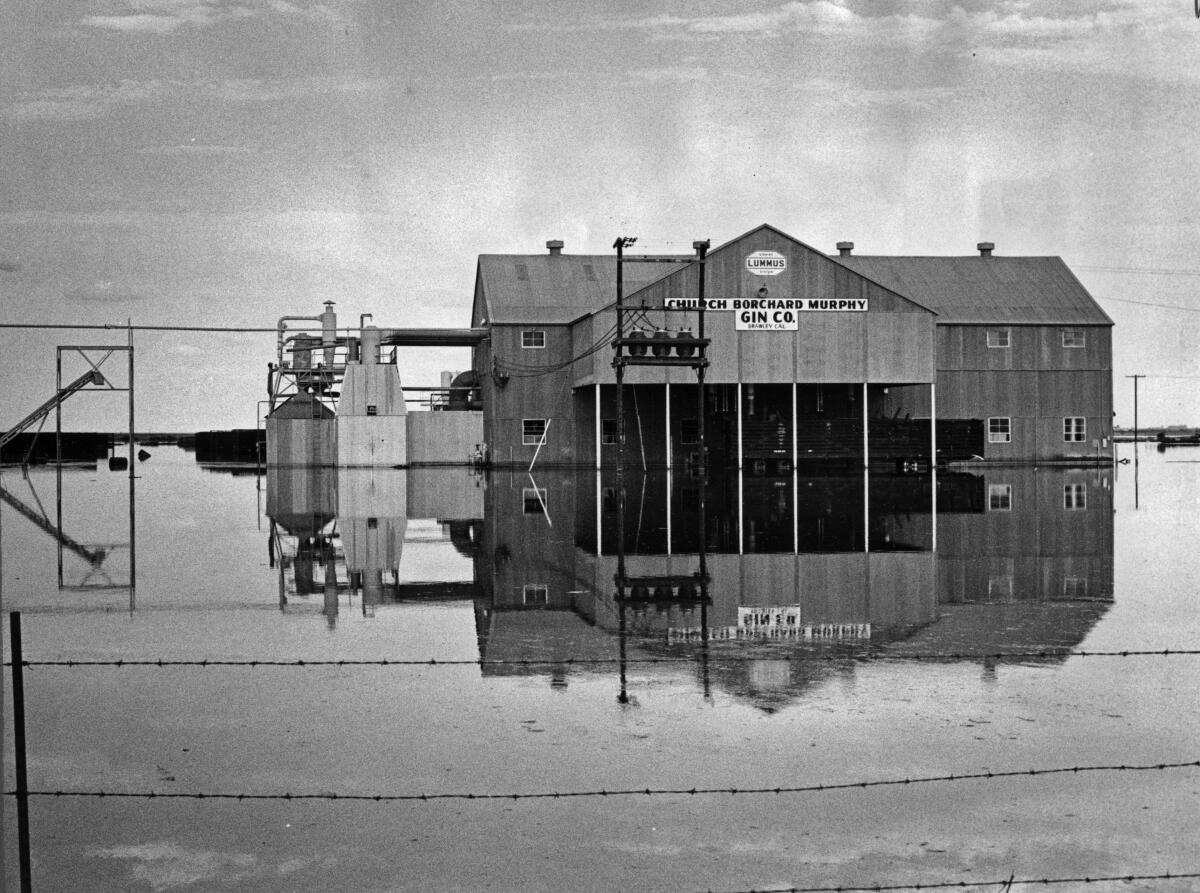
(196, 150)
(670, 74)
(101, 292)
(1149, 39)
(160, 17)
(92, 101)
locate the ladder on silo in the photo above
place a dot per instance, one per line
(39, 414)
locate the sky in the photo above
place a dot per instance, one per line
(229, 162)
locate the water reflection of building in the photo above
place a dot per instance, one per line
(1010, 559)
(339, 533)
(967, 564)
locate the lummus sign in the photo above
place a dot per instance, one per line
(766, 263)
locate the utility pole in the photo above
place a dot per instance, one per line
(1135, 412)
(1136, 431)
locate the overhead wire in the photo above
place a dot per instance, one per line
(1000, 884)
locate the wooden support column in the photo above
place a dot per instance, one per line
(599, 426)
(739, 425)
(866, 439)
(866, 473)
(933, 457)
(667, 438)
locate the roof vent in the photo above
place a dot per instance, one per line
(844, 248)
(985, 249)
(555, 246)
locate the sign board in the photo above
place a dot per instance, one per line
(766, 320)
(766, 263)
(798, 305)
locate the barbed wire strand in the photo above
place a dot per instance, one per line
(588, 661)
(621, 792)
(1002, 883)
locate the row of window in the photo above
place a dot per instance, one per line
(534, 339)
(1002, 338)
(1000, 497)
(999, 429)
(999, 587)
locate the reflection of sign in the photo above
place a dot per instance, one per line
(813, 632)
(762, 618)
(766, 263)
(796, 305)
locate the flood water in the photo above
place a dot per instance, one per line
(846, 630)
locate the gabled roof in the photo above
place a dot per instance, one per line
(555, 288)
(987, 289)
(778, 233)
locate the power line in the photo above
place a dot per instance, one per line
(1151, 271)
(122, 328)
(1154, 304)
(621, 792)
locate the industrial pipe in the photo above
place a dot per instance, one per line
(281, 326)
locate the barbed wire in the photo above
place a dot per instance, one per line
(1001, 883)
(621, 792)
(589, 661)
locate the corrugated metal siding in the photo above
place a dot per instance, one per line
(556, 288)
(987, 289)
(440, 437)
(899, 347)
(302, 441)
(372, 440)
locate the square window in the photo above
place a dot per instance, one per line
(1075, 587)
(689, 431)
(533, 500)
(536, 594)
(1000, 588)
(608, 431)
(1074, 338)
(1074, 497)
(999, 338)
(999, 429)
(533, 338)
(532, 431)
(999, 497)
(1074, 429)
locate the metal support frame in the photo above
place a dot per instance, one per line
(109, 350)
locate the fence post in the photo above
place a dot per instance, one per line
(18, 680)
